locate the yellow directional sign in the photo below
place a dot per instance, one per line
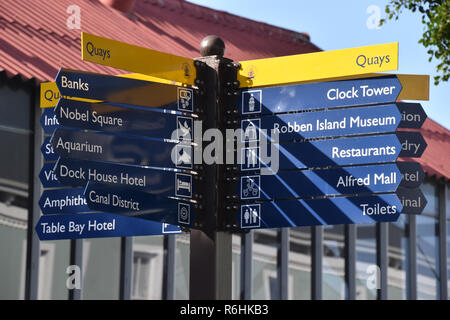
(318, 65)
(49, 95)
(132, 58)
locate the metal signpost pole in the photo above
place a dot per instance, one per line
(210, 249)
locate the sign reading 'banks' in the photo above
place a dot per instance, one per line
(126, 91)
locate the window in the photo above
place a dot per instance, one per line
(141, 274)
(427, 245)
(147, 275)
(46, 264)
(333, 263)
(365, 258)
(397, 258)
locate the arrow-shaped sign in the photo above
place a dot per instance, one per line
(318, 65)
(48, 177)
(166, 183)
(124, 90)
(132, 58)
(49, 122)
(321, 124)
(313, 212)
(320, 95)
(63, 201)
(413, 144)
(140, 204)
(412, 174)
(98, 225)
(322, 153)
(85, 145)
(127, 120)
(413, 115)
(321, 182)
(47, 150)
(412, 199)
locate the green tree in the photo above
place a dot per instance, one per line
(436, 18)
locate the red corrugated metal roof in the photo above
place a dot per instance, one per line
(35, 42)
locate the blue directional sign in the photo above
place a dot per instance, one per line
(330, 123)
(333, 94)
(98, 225)
(47, 150)
(325, 211)
(413, 144)
(321, 182)
(412, 199)
(126, 90)
(128, 120)
(412, 174)
(140, 204)
(48, 177)
(63, 201)
(85, 145)
(174, 183)
(49, 122)
(322, 153)
(413, 115)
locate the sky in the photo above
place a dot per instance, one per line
(344, 24)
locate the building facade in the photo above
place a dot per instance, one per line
(407, 259)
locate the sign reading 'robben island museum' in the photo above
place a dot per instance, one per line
(122, 152)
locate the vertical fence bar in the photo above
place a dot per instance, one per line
(126, 268)
(382, 258)
(411, 292)
(246, 265)
(169, 267)
(443, 292)
(316, 262)
(34, 193)
(350, 261)
(76, 258)
(283, 263)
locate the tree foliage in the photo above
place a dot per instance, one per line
(436, 38)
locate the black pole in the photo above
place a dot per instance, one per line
(210, 248)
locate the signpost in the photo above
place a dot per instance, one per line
(312, 212)
(98, 225)
(123, 90)
(94, 146)
(141, 204)
(119, 119)
(318, 145)
(152, 180)
(320, 182)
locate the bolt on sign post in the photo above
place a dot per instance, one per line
(303, 140)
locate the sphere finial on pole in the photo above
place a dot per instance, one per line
(212, 46)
